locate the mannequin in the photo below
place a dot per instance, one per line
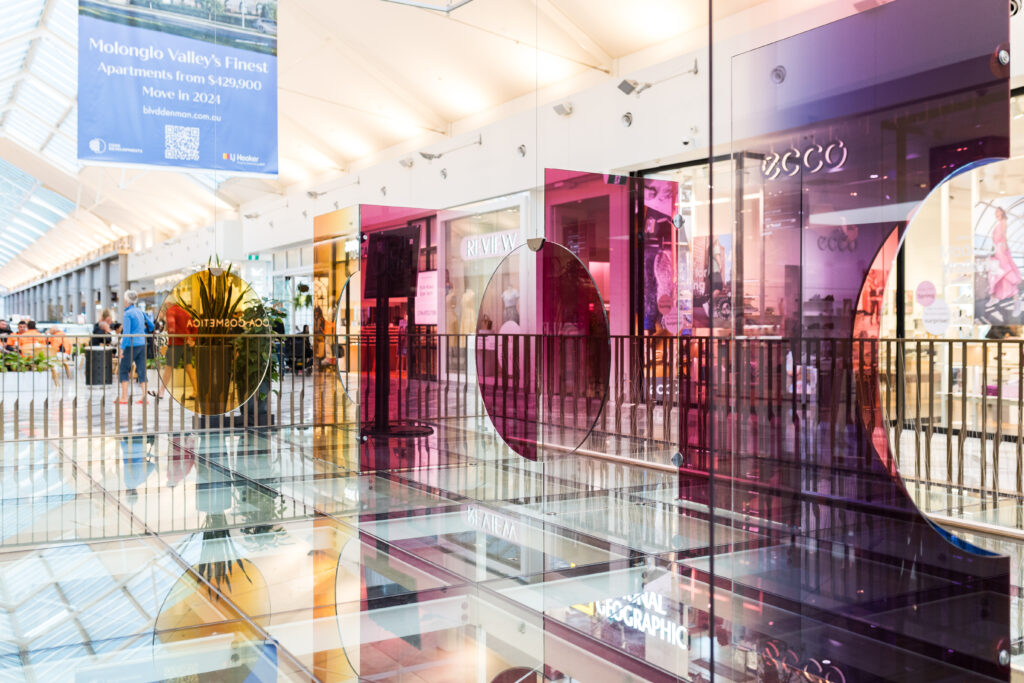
(451, 316)
(510, 299)
(468, 312)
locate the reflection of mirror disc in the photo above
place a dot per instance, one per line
(191, 611)
(347, 324)
(217, 347)
(545, 383)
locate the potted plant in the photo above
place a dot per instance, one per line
(29, 372)
(221, 579)
(257, 367)
(303, 298)
(215, 314)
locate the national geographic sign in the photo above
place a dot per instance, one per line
(217, 347)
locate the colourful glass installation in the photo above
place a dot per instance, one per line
(347, 325)
(218, 350)
(543, 370)
(846, 571)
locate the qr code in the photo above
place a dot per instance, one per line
(181, 142)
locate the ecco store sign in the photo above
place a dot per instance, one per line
(813, 159)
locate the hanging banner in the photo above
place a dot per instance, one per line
(190, 85)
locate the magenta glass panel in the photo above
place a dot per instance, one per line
(396, 351)
(542, 350)
(838, 569)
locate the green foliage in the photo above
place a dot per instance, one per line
(217, 316)
(255, 359)
(212, 7)
(40, 362)
(219, 304)
(218, 563)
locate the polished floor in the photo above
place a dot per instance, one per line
(261, 555)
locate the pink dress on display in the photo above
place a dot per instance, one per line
(1005, 276)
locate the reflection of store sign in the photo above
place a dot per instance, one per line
(488, 246)
(936, 318)
(658, 389)
(492, 524)
(644, 612)
(426, 298)
(815, 158)
(837, 241)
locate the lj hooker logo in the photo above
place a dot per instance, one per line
(244, 159)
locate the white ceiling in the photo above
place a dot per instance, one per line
(355, 77)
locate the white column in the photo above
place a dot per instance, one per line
(90, 294)
(78, 293)
(105, 283)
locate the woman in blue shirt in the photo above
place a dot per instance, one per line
(133, 346)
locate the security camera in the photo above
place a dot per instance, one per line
(563, 109)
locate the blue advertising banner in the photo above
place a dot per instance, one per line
(180, 84)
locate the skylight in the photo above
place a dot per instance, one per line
(27, 210)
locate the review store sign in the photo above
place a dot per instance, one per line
(490, 245)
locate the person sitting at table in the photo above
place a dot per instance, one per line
(101, 330)
(29, 339)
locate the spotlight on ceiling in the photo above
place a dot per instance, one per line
(631, 87)
(627, 119)
(252, 216)
(430, 156)
(521, 149)
(563, 108)
(405, 163)
(313, 194)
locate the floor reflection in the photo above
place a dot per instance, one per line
(255, 555)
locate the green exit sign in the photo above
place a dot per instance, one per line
(254, 257)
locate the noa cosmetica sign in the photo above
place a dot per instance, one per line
(170, 85)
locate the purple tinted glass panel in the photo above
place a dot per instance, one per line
(845, 570)
(396, 354)
(543, 372)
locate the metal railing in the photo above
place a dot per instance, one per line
(953, 408)
(64, 386)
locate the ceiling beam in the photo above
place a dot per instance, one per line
(218, 192)
(69, 181)
(553, 12)
(319, 145)
(394, 84)
(50, 127)
(30, 34)
(56, 129)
